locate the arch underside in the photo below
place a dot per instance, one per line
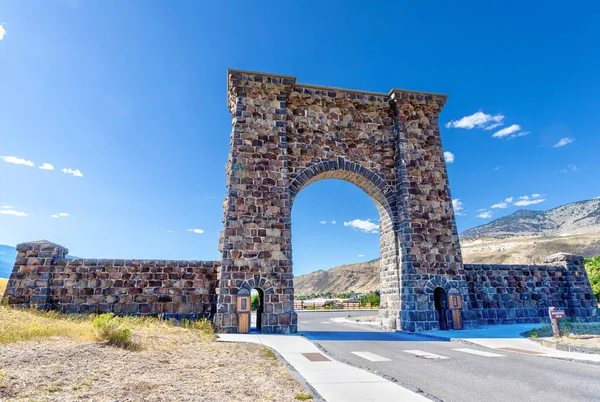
(382, 194)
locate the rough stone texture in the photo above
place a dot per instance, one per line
(509, 294)
(43, 278)
(286, 136)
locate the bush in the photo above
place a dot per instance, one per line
(592, 267)
(111, 329)
(372, 299)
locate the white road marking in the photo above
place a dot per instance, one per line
(425, 355)
(478, 352)
(303, 322)
(371, 356)
(325, 322)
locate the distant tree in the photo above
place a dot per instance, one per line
(371, 298)
(592, 267)
(254, 302)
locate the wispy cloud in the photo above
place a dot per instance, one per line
(169, 231)
(2, 32)
(9, 210)
(500, 205)
(60, 215)
(509, 199)
(477, 120)
(363, 225)
(563, 141)
(323, 222)
(532, 199)
(458, 207)
(506, 131)
(333, 222)
(361, 255)
(570, 168)
(74, 172)
(449, 157)
(47, 166)
(17, 161)
(199, 231)
(485, 214)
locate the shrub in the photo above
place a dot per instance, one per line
(592, 267)
(204, 328)
(111, 329)
(372, 299)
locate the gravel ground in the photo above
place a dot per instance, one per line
(172, 365)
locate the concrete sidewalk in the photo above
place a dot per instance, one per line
(508, 336)
(333, 380)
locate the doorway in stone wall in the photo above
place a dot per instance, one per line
(257, 302)
(441, 306)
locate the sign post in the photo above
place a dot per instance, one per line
(555, 317)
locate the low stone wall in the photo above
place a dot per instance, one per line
(509, 294)
(42, 277)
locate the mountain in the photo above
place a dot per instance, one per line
(570, 219)
(361, 277)
(8, 255)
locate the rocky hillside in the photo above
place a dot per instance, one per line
(524, 237)
(361, 277)
(570, 219)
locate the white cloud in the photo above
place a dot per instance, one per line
(323, 222)
(497, 168)
(507, 131)
(536, 195)
(500, 205)
(47, 166)
(17, 161)
(54, 216)
(63, 214)
(563, 141)
(509, 199)
(449, 157)
(169, 231)
(333, 222)
(524, 197)
(363, 225)
(12, 212)
(485, 215)
(2, 32)
(477, 120)
(525, 202)
(6, 207)
(458, 207)
(60, 215)
(74, 172)
(199, 231)
(571, 168)
(361, 255)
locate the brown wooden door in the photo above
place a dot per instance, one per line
(456, 307)
(243, 308)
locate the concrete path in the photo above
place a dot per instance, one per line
(508, 336)
(333, 380)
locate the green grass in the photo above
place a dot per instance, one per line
(303, 397)
(112, 330)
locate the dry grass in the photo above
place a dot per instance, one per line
(3, 283)
(575, 334)
(50, 357)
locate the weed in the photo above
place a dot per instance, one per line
(533, 334)
(269, 353)
(303, 396)
(109, 328)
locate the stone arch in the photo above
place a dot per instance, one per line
(383, 196)
(439, 282)
(258, 282)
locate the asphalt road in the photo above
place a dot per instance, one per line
(470, 375)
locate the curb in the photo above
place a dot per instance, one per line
(565, 348)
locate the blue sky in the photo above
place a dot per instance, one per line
(131, 97)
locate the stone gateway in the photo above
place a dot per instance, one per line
(285, 136)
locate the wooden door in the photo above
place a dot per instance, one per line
(456, 307)
(243, 308)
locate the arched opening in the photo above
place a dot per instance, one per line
(257, 308)
(441, 306)
(378, 191)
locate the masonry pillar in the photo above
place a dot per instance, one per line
(429, 244)
(29, 282)
(256, 239)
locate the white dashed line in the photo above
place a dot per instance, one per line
(478, 352)
(325, 322)
(425, 355)
(303, 322)
(371, 356)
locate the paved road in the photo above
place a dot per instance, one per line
(450, 371)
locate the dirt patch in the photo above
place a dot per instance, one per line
(585, 336)
(174, 364)
(364, 318)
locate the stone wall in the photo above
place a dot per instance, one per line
(509, 294)
(42, 277)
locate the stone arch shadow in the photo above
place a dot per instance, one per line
(383, 195)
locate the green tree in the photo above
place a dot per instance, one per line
(592, 267)
(254, 302)
(371, 298)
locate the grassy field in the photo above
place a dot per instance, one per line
(51, 357)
